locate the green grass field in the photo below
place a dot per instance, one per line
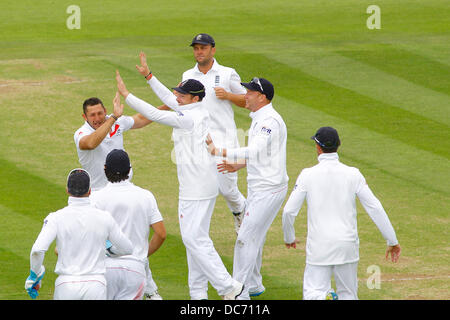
(386, 91)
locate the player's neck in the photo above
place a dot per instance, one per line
(205, 67)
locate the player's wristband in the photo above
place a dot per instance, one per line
(149, 76)
(114, 117)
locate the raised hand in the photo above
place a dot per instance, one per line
(121, 85)
(118, 107)
(143, 68)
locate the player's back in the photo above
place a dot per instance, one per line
(134, 210)
(81, 232)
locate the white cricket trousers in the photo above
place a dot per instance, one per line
(125, 279)
(228, 188)
(204, 263)
(317, 281)
(89, 287)
(262, 208)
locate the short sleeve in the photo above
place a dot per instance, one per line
(235, 83)
(126, 122)
(154, 213)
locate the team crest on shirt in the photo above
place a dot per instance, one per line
(180, 113)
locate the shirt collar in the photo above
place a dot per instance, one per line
(76, 201)
(119, 184)
(328, 156)
(261, 112)
(214, 67)
(190, 106)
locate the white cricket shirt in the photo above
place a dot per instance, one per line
(81, 232)
(330, 189)
(196, 168)
(266, 150)
(93, 161)
(134, 209)
(222, 125)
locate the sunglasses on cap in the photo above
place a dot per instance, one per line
(256, 81)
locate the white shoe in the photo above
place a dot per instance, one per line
(235, 292)
(153, 296)
(255, 292)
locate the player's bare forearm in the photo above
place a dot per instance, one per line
(237, 99)
(158, 237)
(92, 141)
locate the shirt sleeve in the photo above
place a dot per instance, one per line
(376, 212)
(235, 83)
(42, 243)
(291, 209)
(262, 144)
(169, 118)
(163, 93)
(154, 213)
(126, 122)
(78, 135)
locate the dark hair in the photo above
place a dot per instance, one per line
(116, 176)
(328, 150)
(91, 102)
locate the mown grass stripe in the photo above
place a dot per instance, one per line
(407, 65)
(405, 126)
(27, 193)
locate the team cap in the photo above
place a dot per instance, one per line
(118, 162)
(203, 38)
(261, 85)
(78, 182)
(191, 86)
(327, 137)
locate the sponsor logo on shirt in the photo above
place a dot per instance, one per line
(265, 130)
(180, 113)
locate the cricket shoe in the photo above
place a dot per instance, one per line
(235, 292)
(331, 295)
(256, 292)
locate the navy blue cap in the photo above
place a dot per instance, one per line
(261, 85)
(191, 86)
(78, 182)
(118, 162)
(327, 137)
(203, 38)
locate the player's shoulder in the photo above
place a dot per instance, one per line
(350, 169)
(188, 74)
(84, 129)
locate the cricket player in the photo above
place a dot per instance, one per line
(136, 211)
(265, 159)
(198, 186)
(96, 138)
(332, 246)
(100, 134)
(222, 90)
(80, 231)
